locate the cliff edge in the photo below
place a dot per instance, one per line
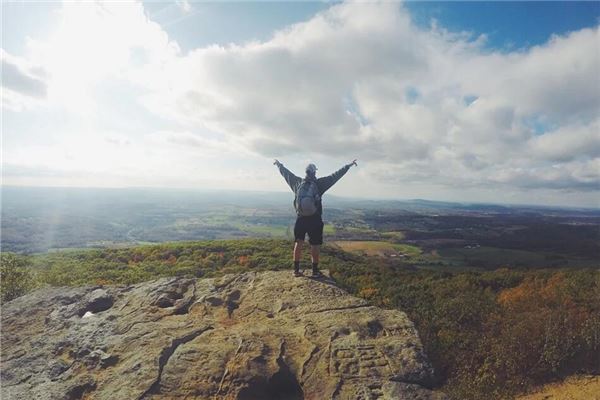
(256, 336)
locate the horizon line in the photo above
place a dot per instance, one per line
(374, 199)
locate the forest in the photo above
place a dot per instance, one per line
(489, 333)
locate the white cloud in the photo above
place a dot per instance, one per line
(96, 42)
(198, 144)
(407, 89)
(184, 5)
(425, 107)
(568, 142)
(20, 77)
(23, 83)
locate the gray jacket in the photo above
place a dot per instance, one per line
(323, 183)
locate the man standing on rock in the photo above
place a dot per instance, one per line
(309, 209)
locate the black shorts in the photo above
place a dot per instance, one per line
(312, 225)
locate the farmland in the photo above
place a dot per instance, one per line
(411, 233)
(379, 248)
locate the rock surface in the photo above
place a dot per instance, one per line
(249, 336)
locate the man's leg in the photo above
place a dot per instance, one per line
(299, 235)
(298, 251)
(314, 255)
(316, 240)
(297, 256)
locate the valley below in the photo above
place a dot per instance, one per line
(503, 298)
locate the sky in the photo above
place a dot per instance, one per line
(470, 102)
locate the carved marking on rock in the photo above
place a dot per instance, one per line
(358, 361)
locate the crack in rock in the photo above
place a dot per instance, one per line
(183, 307)
(314, 351)
(352, 307)
(166, 354)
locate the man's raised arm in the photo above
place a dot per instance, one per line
(292, 180)
(328, 181)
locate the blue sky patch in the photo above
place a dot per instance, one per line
(508, 25)
(539, 124)
(411, 94)
(352, 108)
(469, 99)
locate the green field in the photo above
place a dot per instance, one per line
(358, 229)
(378, 248)
(267, 230)
(329, 229)
(493, 257)
(394, 235)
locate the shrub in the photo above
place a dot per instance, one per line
(15, 277)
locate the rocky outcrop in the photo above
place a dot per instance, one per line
(249, 336)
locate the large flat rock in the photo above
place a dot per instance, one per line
(257, 336)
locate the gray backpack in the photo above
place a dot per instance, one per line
(307, 198)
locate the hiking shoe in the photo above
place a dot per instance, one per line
(317, 274)
(298, 273)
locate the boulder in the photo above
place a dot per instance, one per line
(261, 335)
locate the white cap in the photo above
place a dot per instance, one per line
(311, 168)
